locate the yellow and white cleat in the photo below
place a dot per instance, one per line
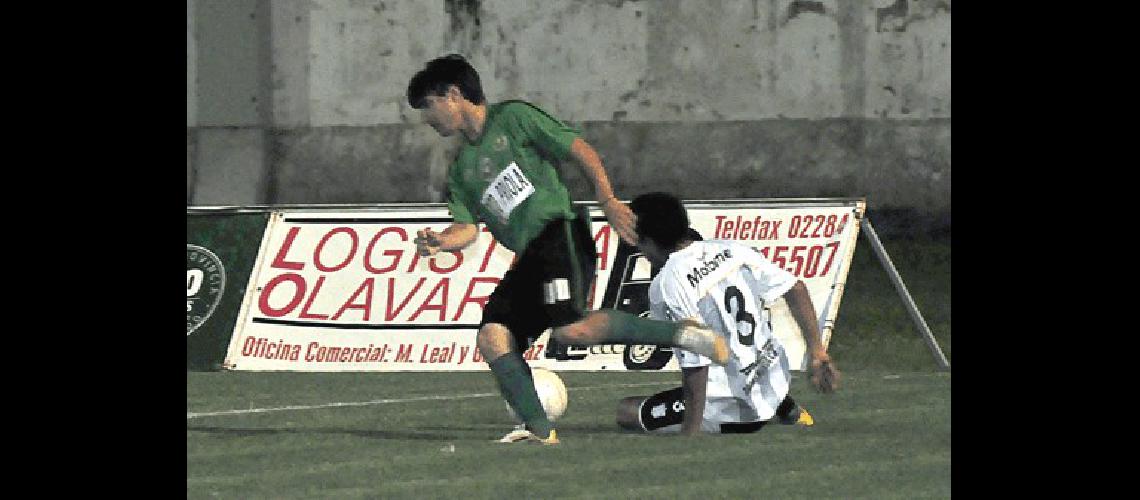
(522, 434)
(805, 418)
(693, 336)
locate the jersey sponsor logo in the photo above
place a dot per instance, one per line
(765, 356)
(708, 267)
(205, 282)
(500, 143)
(507, 191)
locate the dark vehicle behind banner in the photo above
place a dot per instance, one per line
(627, 290)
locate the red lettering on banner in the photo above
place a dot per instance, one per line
(834, 246)
(298, 294)
(604, 252)
(404, 353)
(830, 229)
(481, 300)
(794, 226)
(778, 259)
(394, 253)
(258, 347)
(798, 259)
(534, 352)
(442, 308)
(389, 315)
(773, 232)
(368, 285)
(740, 229)
(807, 265)
(305, 310)
(438, 354)
(325, 239)
(279, 261)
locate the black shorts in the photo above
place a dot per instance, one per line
(548, 284)
(665, 411)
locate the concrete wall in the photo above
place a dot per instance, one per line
(303, 101)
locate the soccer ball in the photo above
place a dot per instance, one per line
(551, 391)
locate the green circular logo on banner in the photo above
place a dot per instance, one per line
(205, 282)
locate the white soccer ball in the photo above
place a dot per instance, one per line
(551, 391)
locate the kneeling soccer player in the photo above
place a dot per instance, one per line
(751, 389)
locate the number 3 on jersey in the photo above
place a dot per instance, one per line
(735, 305)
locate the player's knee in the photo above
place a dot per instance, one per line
(581, 332)
(493, 341)
(564, 334)
(629, 413)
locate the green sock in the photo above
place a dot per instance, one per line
(517, 386)
(628, 328)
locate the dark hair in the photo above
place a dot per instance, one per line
(440, 72)
(661, 217)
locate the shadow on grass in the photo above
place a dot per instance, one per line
(563, 429)
(370, 434)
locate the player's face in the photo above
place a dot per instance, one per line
(652, 251)
(442, 113)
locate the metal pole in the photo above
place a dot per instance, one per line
(911, 308)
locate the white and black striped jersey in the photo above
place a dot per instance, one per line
(727, 286)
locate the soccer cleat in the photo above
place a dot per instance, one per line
(803, 418)
(519, 434)
(552, 439)
(522, 434)
(700, 339)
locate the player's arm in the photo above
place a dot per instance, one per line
(668, 301)
(463, 229)
(617, 213)
(824, 375)
(693, 383)
(456, 237)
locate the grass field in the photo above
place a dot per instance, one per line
(886, 434)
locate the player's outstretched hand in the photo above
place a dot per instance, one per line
(622, 219)
(824, 375)
(427, 242)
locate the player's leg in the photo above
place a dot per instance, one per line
(611, 326)
(565, 287)
(662, 412)
(629, 413)
(501, 340)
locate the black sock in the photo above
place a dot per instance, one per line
(788, 409)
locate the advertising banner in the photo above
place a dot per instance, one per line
(221, 249)
(343, 289)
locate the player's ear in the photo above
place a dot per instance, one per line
(453, 93)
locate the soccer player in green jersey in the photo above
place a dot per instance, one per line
(505, 176)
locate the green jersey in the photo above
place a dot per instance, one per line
(506, 178)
